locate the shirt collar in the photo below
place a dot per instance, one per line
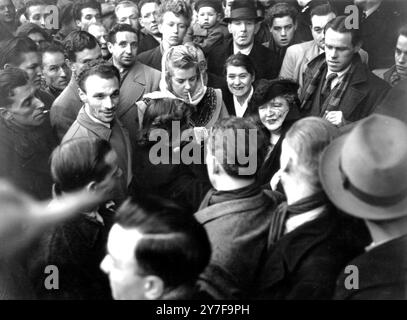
(245, 51)
(340, 74)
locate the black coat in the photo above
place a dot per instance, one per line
(263, 60)
(146, 42)
(382, 273)
(305, 263)
(152, 58)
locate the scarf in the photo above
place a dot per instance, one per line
(285, 211)
(215, 196)
(335, 97)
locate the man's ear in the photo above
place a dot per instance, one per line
(7, 66)
(229, 28)
(110, 47)
(91, 186)
(70, 64)
(78, 23)
(218, 17)
(153, 287)
(257, 27)
(358, 46)
(82, 95)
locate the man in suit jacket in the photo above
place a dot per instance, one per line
(174, 18)
(337, 85)
(351, 169)
(242, 24)
(136, 78)
(80, 47)
(150, 36)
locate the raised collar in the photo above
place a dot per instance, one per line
(98, 129)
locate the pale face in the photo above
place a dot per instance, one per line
(38, 15)
(124, 50)
(27, 110)
(273, 113)
(120, 264)
(37, 37)
(207, 17)
(56, 72)
(401, 56)
(173, 29)
(283, 30)
(148, 17)
(339, 50)
(239, 81)
(184, 81)
(128, 15)
(102, 97)
(31, 63)
(85, 56)
(7, 11)
(318, 27)
(100, 33)
(88, 16)
(243, 32)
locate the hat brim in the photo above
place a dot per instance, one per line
(228, 19)
(331, 180)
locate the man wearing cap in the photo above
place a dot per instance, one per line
(337, 85)
(364, 175)
(243, 25)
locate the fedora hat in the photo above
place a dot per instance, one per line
(364, 173)
(243, 10)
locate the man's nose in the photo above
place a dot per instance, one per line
(283, 32)
(109, 103)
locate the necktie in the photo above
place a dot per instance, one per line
(326, 90)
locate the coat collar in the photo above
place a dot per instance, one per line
(99, 130)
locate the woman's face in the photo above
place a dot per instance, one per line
(239, 80)
(273, 113)
(27, 110)
(184, 81)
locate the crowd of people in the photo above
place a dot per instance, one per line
(203, 149)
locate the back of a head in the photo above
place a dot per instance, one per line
(340, 24)
(10, 78)
(178, 8)
(174, 246)
(77, 162)
(78, 41)
(238, 145)
(28, 28)
(308, 138)
(12, 50)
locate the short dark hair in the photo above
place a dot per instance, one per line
(77, 162)
(13, 49)
(11, 78)
(82, 4)
(224, 145)
(121, 28)
(53, 47)
(78, 41)
(339, 25)
(28, 28)
(402, 31)
(177, 7)
(322, 10)
(143, 2)
(98, 67)
(280, 10)
(241, 60)
(174, 245)
(33, 3)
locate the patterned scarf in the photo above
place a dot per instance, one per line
(335, 97)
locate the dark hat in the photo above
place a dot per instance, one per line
(364, 172)
(243, 10)
(266, 90)
(215, 4)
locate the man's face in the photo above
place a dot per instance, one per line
(318, 27)
(27, 110)
(7, 11)
(56, 72)
(339, 50)
(100, 33)
(243, 32)
(148, 18)
(37, 15)
(102, 97)
(207, 17)
(173, 28)
(128, 15)
(401, 56)
(124, 50)
(184, 81)
(31, 63)
(121, 266)
(283, 30)
(85, 56)
(88, 16)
